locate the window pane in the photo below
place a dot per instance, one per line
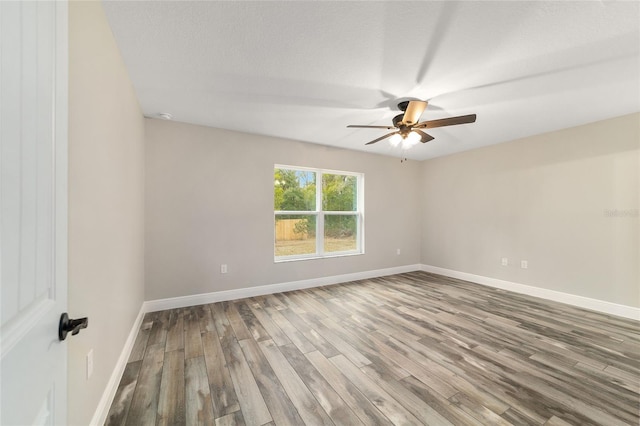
(294, 190)
(340, 232)
(339, 193)
(295, 235)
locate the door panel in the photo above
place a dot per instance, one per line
(33, 220)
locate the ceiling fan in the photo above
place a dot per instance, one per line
(408, 129)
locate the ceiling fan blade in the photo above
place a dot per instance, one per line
(362, 126)
(382, 137)
(452, 121)
(413, 112)
(424, 137)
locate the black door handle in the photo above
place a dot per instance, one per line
(70, 325)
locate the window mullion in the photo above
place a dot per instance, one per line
(319, 217)
(360, 217)
(342, 213)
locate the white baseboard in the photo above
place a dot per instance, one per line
(557, 296)
(100, 415)
(220, 296)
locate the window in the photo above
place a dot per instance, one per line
(317, 213)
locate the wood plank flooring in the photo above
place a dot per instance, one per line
(413, 348)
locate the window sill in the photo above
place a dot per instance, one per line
(315, 257)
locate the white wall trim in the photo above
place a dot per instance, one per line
(102, 410)
(556, 296)
(220, 296)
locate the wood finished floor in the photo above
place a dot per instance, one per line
(413, 348)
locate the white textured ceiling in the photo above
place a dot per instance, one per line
(304, 70)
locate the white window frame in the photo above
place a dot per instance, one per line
(320, 214)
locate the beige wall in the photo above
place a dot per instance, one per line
(542, 199)
(545, 199)
(209, 200)
(106, 202)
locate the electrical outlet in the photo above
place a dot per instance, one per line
(398, 252)
(505, 261)
(524, 264)
(223, 268)
(89, 364)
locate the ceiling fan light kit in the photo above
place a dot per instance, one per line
(408, 127)
(412, 139)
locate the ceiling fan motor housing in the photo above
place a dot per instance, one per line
(402, 106)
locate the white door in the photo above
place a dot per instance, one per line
(33, 231)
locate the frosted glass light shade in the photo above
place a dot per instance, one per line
(395, 139)
(411, 139)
